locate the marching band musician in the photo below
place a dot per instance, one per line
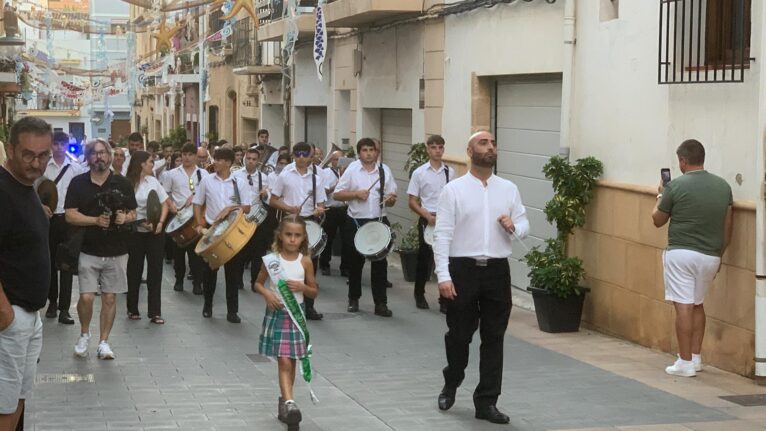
(181, 183)
(220, 193)
(367, 186)
(300, 190)
(426, 183)
(335, 217)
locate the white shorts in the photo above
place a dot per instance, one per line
(688, 275)
(20, 346)
(107, 272)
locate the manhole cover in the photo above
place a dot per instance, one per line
(64, 378)
(746, 400)
(339, 316)
(258, 358)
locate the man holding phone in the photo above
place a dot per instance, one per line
(698, 205)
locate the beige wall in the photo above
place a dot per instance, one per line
(622, 251)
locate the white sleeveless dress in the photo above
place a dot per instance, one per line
(280, 337)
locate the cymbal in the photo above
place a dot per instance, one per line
(153, 208)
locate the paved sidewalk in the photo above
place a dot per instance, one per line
(373, 374)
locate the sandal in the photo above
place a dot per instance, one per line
(157, 320)
(134, 316)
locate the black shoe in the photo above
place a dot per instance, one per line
(421, 303)
(443, 307)
(343, 272)
(233, 318)
(447, 397)
(65, 318)
(51, 312)
(382, 310)
(179, 286)
(492, 414)
(353, 305)
(207, 311)
(197, 290)
(312, 314)
(326, 271)
(389, 285)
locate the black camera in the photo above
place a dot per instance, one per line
(109, 202)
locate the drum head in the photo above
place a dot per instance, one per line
(217, 230)
(314, 232)
(428, 235)
(372, 238)
(257, 212)
(153, 208)
(48, 193)
(184, 215)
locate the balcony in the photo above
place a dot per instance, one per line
(361, 13)
(275, 30)
(265, 60)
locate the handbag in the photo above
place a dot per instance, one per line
(68, 252)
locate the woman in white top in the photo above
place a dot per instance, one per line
(147, 242)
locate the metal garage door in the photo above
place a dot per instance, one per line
(527, 116)
(316, 126)
(396, 131)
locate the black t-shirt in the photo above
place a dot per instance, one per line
(25, 263)
(90, 199)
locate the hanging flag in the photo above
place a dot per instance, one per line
(320, 38)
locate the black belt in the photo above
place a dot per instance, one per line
(59, 215)
(483, 262)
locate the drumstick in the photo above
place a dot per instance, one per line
(522, 242)
(373, 184)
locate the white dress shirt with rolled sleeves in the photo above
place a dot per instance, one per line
(293, 188)
(216, 194)
(357, 177)
(427, 183)
(331, 178)
(467, 226)
(252, 181)
(52, 170)
(148, 184)
(180, 186)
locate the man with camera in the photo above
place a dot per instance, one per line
(102, 203)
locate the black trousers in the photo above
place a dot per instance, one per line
(60, 292)
(335, 218)
(209, 277)
(379, 269)
(150, 247)
(483, 301)
(196, 264)
(425, 264)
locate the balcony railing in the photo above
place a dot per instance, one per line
(272, 10)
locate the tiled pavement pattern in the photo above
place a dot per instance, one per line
(373, 374)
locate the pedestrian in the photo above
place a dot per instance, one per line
(148, 241)
(284, 335)
(135, 143)
(263, 139)
(698, 205)
(118, 161)
(368, 187)
(25, 268)
(478, 214)
(102, 203)
(60, 169)
(426, 184)
(335, 217)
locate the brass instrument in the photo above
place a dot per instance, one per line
(327, 158)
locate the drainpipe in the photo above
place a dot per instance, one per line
(760, 225)
(567, 87)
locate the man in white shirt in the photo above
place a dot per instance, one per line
(61, 170)
(118, 161)
(135, 143)
(219, 194)
(300, 190)
(478, 214)
(263, 139)
(426, 183)
(181, 183)
(335, 217)
(367, 187)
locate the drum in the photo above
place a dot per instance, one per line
(428, 235)
(225, 239)
(183, 227)
(317, 237)
(258, 212)
(374, 241)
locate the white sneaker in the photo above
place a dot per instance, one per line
(681, 368)
(697, 359)
(104, 351)
(81, 348)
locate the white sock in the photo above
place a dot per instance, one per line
(696, 357)
(683, 362)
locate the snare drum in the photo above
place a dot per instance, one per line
(428, 235)
(183, 227)
(317, 237)
(225, 239)
(374, 240)
(258, 212)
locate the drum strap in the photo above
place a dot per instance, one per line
(446, 172)
(199, 176)
(314, 185)
(61, 174)
(236, 191)
(382, 174)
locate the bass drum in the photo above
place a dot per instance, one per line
(374, 241)
(225, 239)
(317, 237)
(183, 227)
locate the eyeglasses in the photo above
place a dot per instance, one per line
(302, 153)
(28, 158)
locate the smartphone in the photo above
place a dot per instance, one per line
(665, 174)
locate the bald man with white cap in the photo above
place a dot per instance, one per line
(478, 215)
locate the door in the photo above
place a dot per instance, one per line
(315, 126)
(77, 130)
(396, 138)
(527, 118)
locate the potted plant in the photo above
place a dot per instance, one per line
(408, 250)
(555, 277)
(416, 157)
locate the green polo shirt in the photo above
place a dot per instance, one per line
(697, 203)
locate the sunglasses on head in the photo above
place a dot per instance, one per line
(302, 153)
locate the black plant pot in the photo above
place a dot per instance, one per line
(555, 314)
(409, 260)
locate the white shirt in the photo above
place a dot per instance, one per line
(159, 167)
(216, 194)
(148, 184)
(52, 170)
(356, 177)
(126, 164)
(331, 179)
(293, 188)
(427, 183)
(180, 186)
(241, 176)
(467, 226)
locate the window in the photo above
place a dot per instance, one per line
(704, 41)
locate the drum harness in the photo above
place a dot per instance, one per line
(382, 180)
